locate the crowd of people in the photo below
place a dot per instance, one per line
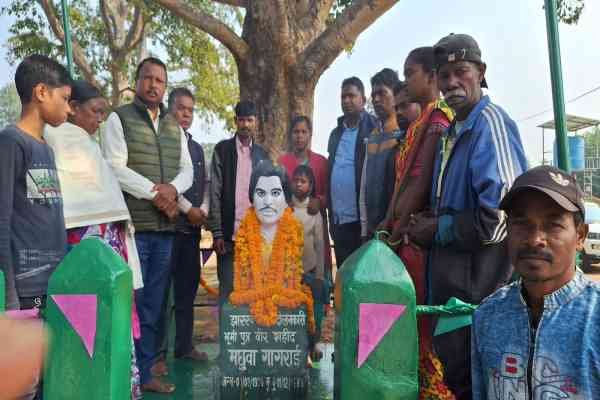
(439, 172)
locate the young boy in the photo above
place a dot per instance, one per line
(32, 229)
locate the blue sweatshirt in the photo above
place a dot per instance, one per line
(559, 360)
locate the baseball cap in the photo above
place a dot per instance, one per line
(553, 182)
(457, 47)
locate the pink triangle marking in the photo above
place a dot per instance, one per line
(80, 311)
(374, 322)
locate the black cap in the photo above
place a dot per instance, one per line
(457, 47)
(245, 108)
(551, 181)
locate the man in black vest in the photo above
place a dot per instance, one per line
(232, 164)
(185, 257)
(149, 154)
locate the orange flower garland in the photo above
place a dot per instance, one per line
(266, 284)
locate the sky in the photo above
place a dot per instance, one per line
(511, 35)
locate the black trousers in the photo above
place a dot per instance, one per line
(346, 238)
(185, 264)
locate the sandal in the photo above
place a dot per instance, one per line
(158, 386)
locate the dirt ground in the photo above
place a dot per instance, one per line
(206, 327)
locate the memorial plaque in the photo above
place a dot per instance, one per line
(266, 363)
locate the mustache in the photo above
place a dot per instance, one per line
(533, 253)
(455, 92)
(268, 208)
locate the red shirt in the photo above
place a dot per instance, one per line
(320, 168)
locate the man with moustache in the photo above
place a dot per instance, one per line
(148, 152)
(231, 167)
(538, 337)
(185, 257)
(478, 158)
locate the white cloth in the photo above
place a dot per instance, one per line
(114, 148)
(91, 193)
(313, 256)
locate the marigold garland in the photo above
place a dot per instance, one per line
(266, 284)
(431, 377)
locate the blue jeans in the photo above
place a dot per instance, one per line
(154, 249)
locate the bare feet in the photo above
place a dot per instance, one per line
(195, 355)
(157, 386)
(159, 368)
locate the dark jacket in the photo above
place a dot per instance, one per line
(222, 186)
(468, 259)
(365, 126)
(194, 194)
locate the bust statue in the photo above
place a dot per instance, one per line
(268, 251)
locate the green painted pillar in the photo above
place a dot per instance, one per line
(67, 29)
(70, 373)
(375, 275)
(558, 96)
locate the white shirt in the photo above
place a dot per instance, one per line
(114, 148)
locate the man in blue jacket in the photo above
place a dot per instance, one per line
(538, 337)
(479, 157)
(346, 150)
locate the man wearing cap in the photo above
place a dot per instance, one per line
(538, 338)
(231, 168)
(478, 158)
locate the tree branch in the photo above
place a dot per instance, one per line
(340, 34)
(235, 3)
(322, 8)
(109, 23)
(78, 53)
(209, 24)
(136, 31)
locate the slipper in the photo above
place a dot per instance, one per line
(158, 386)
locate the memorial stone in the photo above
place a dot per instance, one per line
(263, 363)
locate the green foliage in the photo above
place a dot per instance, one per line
(194, 59)
(569, 11)
(210, 68)
(10, 105)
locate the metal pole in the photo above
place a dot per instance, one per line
(543, 147)
(67, 29)
(558, 96)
